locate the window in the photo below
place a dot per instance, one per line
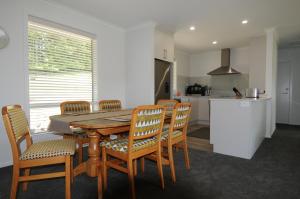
(61, 67)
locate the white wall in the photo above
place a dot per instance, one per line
(204, 62)
(271, 73)
(140, 65)
(13, 66)
(239, 59)
(257, 62)
(263, 72)
(182, 59)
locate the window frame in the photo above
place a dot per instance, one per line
(94, 68)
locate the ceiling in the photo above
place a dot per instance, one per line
(214, 19)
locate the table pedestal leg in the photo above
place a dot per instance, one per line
(94, 154)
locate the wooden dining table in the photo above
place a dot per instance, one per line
(97, 125)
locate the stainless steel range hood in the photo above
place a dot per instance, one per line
(225, 68)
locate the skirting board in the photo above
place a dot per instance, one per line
(5, 164)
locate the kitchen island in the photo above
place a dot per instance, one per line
(238, 126)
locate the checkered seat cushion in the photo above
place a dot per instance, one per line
(166, 127)
(164, 135)
(122, 144)
(48, 149)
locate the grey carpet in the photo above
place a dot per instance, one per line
(203, 133)
(273, 173)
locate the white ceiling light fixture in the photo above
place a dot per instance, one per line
(215, 42)
(245, 21)
(192, 28)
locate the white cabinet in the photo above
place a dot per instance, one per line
(200, 109)
(195, 109)
(203, 110)
(164, 46)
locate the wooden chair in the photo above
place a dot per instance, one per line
(69, 107)
(175, 134)
(144, 138)
(36, 154)
(110, 105)
(168, 103)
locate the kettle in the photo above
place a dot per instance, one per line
(253, 93)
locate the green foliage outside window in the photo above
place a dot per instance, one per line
(58, 53)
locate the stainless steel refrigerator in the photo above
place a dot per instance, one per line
(162, 79)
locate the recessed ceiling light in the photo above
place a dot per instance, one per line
(245, 21)
(192, 28)
(214, 42)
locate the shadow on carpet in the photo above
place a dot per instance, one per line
(202, 133)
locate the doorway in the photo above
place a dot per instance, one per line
(283, 92)
(288, 92)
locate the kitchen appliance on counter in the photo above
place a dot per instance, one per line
(237, 92)
(196, 89)
(253, 93)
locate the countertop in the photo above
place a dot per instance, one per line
(215, 98)
(195, 96)
(238, 99)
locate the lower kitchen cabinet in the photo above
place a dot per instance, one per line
(200, 109)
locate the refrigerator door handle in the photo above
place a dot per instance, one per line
(161, 81)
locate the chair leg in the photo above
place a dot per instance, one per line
(135, 167)
(25, 184)
(14, 184)
(143, 165)
(100, 192)
(104, 168)
(80, 150)
(68, 177)
(160, 169)
(131, 178)
(186, 155)
(171, 160)
(72, 170)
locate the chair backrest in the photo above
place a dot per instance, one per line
(168, 103)
(75, 107)
(180, 117)
(110, 105)
(147, 122)
(17, 128)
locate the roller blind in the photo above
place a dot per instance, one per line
(61, 67)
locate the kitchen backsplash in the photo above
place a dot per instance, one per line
(219, 83)
(182, 83)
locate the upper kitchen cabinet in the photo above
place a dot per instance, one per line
(164, 46)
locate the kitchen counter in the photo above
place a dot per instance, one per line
(238, 99)
(238, 126)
